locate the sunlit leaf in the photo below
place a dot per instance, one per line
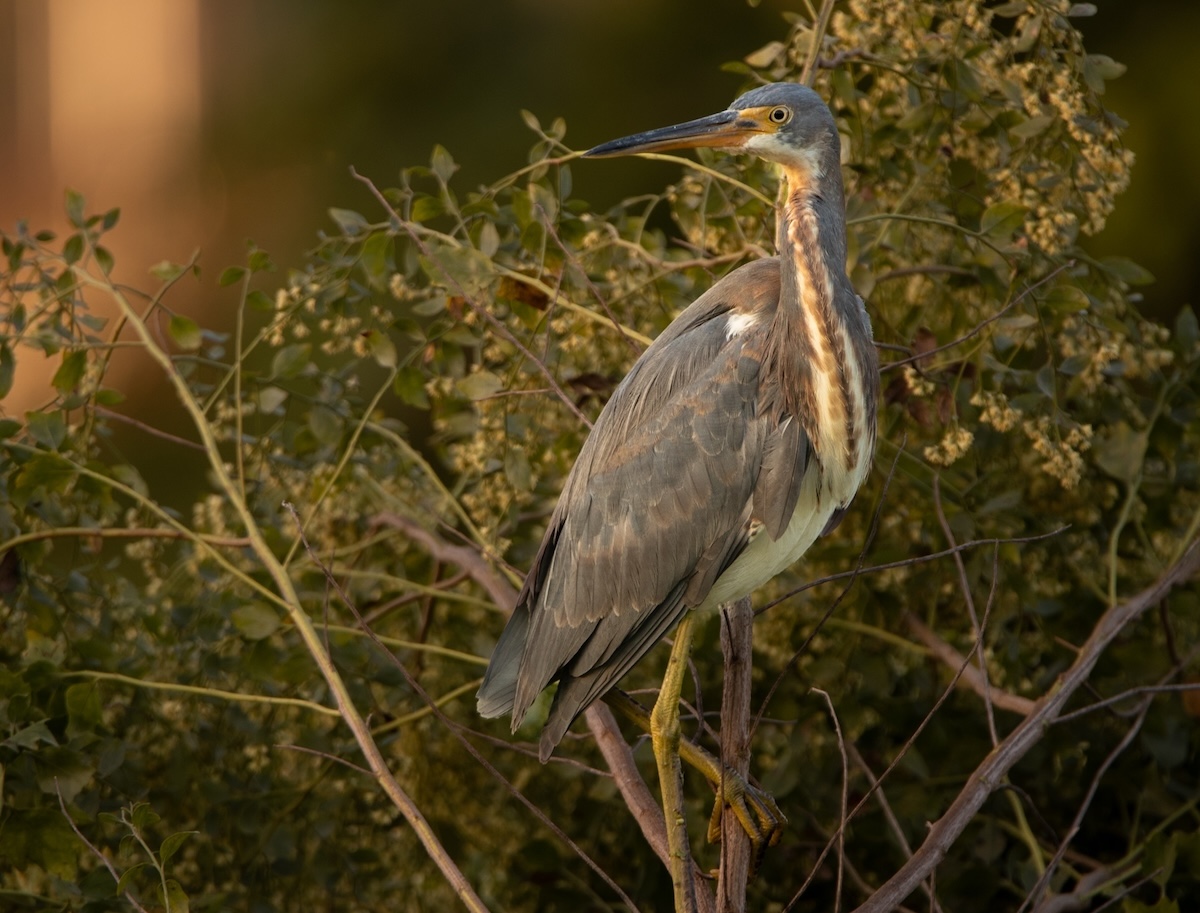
(184, 332)
(350, 222)
(255, 621)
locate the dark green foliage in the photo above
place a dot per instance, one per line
(426, 369)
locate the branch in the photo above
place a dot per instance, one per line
(737, 637)
(638, 798)
(971, 677)
(989, 774)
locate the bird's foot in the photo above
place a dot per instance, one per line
(754, 809)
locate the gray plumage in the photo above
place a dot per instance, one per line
(751, 416)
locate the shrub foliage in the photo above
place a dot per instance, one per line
(420, 385)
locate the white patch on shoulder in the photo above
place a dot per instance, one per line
(737, 324)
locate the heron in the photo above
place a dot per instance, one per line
(740, 436)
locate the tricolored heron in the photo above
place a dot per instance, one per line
(737, 438)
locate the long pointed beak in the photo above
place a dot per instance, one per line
(724, 130)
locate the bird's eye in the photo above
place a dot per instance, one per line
(780, 115)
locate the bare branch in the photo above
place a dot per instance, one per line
(737, 626)
(971, 677)
(989, 774)
(499, 590)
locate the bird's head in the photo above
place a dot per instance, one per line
(783, 122)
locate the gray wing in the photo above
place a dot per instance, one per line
(658, 504)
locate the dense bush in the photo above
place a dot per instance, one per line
(422, 382)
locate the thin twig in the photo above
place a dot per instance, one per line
(94, 850)
(909, 562)
(845, 801)
(890, 816)
(814, 50)
(969, 601)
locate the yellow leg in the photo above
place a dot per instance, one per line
(757, 812)
(664, 734)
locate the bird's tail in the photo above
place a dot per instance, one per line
(499, 689)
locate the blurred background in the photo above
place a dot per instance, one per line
(212, 123)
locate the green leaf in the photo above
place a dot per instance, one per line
(75, 208)
(110, 219)
(410, 387)
(1066, 299)
(9, 427)
(231, 275)
(350, 222)
(1158, 861)
(167, 271)
(291, 360)
(425, 208)
(383, 350)
(480, 384)
(1045, 380)
(176, 900)
(517, 469)
(62, 770)
(376, 258)
(766, 55)
(270, 399)
(258, 301)
(325, 424)
(461, 270)
(104, 259)
(255, 621)
(73, 249)
(48, 428)
(1032, 126)
(1002, 219)
(46, 472)
(84, 713)
(171, 845)
(128, 476)
(1126, 270)
(8, 367)
(129, 877)
(1187, 331)
(1099, 68)
(143, 816)
(184, 332)
(31, 736)
(1122, 452)
(489, 239)
(259, 261)
(71, 371)
(442, 164)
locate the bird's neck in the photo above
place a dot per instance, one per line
(822, 331)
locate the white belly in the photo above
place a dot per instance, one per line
(765, 557)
